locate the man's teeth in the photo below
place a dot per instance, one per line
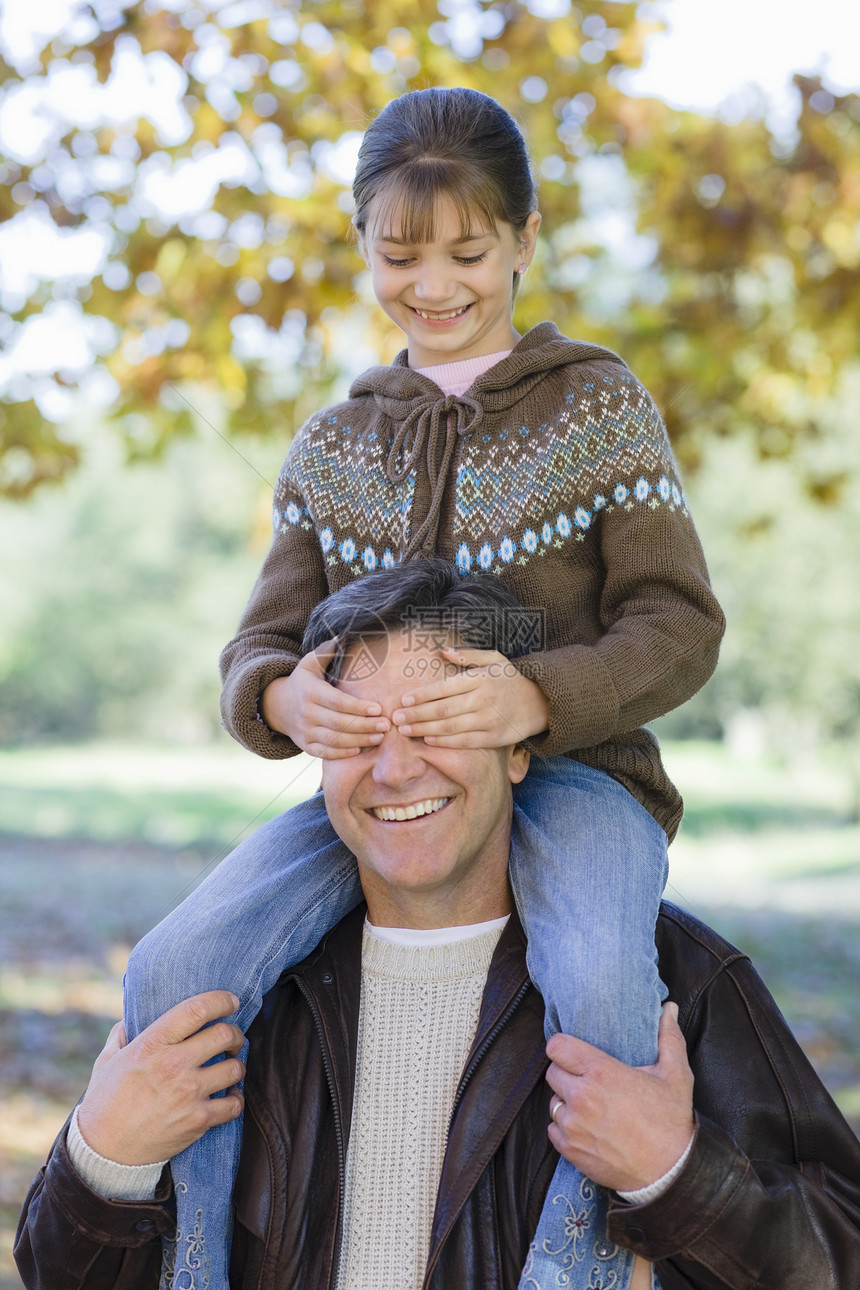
(410, 812)
(452, 313)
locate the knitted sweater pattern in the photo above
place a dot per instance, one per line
(417, 1019)
(553, 472)
(516, 493)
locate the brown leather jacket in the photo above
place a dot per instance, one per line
(768, 1200)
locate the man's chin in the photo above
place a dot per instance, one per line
(411, 871)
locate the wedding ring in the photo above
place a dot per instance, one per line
(554, 1109)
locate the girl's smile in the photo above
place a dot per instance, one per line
(452, 296)
(442, 318)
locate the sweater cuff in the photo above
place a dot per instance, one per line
(643, 1195)
(107, 1178)
(583, 702)
(685, 1215)
(241, 707)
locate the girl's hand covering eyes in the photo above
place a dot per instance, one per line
(322, 720)
(482, 702)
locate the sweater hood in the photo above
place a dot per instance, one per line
(397, 387)
(428, 423)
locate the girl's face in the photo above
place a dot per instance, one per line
(453, 297)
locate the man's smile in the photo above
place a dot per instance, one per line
(411, 811)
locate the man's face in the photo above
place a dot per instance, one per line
(444, 863)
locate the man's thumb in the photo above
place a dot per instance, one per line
(671, 1044)
(115, 1041)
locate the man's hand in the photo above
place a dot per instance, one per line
(622, 1126)
(323, 720)
(485, 702)
(150, 1099)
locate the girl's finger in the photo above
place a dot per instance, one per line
(450, 682)
(431, 694)
(340, 701)
(467, 657)
(324, 652)
(337, 723)
(470, 739)
(326, 752)
(345, 738)
(325, 696)
(453, 723)
(491, 735)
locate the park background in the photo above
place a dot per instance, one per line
(179, 291)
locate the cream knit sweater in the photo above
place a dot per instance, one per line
(419, 1012)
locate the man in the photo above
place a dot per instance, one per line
(396, 1112)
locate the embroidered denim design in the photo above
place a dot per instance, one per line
(576, 1254)
(189, 1271)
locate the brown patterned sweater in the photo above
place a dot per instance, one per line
(553, 471)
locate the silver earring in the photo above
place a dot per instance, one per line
(521, 269)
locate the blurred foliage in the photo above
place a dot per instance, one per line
(227, 278)
(126, 583)
(784, 569)
(125, 586)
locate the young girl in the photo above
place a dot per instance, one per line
(544, 461)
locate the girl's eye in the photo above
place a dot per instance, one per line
(461, 259)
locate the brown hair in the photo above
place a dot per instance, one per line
(456, 143)
(430, 597)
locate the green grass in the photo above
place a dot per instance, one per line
(171, 797)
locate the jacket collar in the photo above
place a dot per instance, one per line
(505, 1062)
(330, 980)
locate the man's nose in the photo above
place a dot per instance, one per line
(398, 760)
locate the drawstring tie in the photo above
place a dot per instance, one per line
(425, 425)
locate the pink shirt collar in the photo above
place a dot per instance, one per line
(455, 378)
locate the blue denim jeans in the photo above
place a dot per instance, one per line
(588, 867)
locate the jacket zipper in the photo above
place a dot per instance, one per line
(490, 1039)
(338, 1123)
(467, 1075)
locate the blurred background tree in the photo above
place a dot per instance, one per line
(186, 168)
(174, 232)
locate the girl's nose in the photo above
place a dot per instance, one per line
(433, 284)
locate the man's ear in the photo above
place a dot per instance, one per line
(518, 763)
